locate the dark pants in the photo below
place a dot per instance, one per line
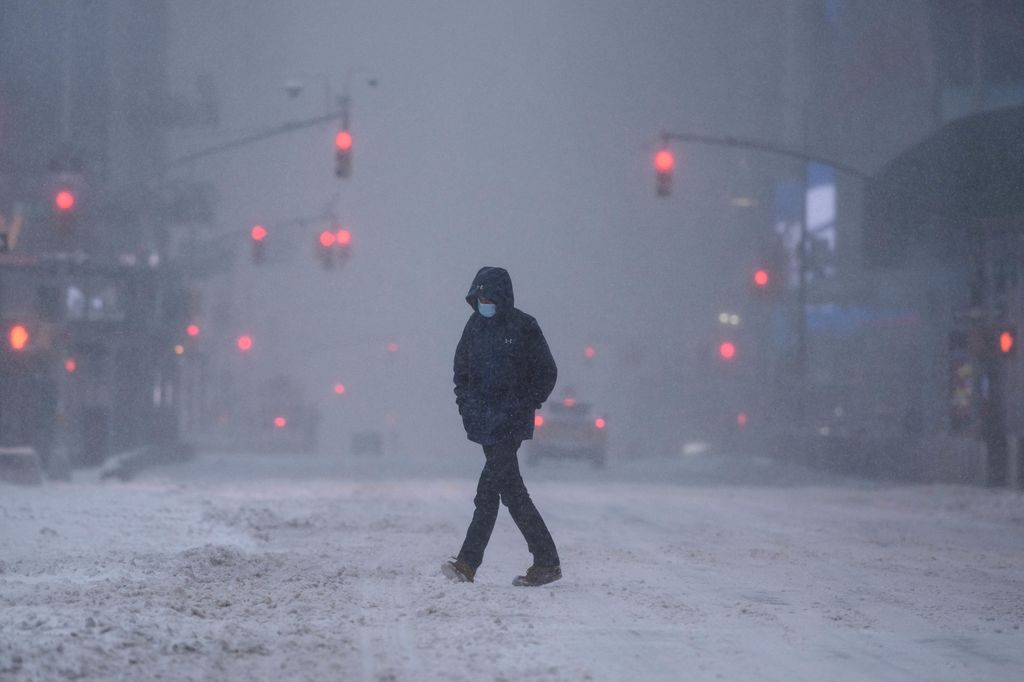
(501, 479)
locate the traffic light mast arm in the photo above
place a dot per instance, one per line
(258, 136)
(742, 143)
(304, 221)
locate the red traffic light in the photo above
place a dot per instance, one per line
(339, 389)
(343, 237)
(324, 248)
(259, 236)
(244, 342)
(727, 350)
(70, 365)
(192, 330)
(589, 352)
(664, 161)
(343, 154)
(761, 278)
(64, 200)
(280, 422)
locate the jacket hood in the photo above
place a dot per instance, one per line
(495, 284)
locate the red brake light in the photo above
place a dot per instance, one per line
(599, 423)
(18, 337)
(1006, 341)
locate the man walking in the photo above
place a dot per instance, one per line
(503, 372)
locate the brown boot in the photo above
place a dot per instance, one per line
(538, 575)
(458, 570)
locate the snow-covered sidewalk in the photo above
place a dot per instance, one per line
(306, 572)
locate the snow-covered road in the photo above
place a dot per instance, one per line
(299, 570)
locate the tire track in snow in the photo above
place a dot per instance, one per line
(388, 648)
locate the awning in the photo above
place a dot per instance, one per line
(967, 176)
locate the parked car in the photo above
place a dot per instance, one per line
(568, 430)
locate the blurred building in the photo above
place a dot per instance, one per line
(912, 264)
(84, 231)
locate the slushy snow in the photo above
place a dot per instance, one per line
(307, 569)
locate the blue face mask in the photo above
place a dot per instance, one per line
(486, 309)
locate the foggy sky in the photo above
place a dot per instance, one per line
(509, 134)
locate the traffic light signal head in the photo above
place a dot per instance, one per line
(333, 246)
(65, 208)
(343, 154)
(727, 350)
(64, 200)
(259, 240)
(765, 283)
(664, 163)
(325, 248)
(343, 243)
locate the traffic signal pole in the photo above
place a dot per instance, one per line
(801, 358)
(802, 354)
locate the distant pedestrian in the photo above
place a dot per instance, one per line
(503, 372)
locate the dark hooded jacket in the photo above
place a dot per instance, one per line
(503, 367)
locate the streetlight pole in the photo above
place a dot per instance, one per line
(801, 305)
(801, 357)
(345, 100)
